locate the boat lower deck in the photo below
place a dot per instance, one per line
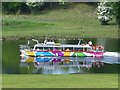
(61, 53)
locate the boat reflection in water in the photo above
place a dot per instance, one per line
(60, 65)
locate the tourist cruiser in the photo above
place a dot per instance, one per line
(51, 49)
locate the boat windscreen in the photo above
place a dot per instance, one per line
(78, 48)
(48, 48)
(38, 48)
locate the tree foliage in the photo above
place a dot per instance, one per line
(30, 6)
(14, 7)
(105, 12)
(34, 5)
(116, 9)
(11, 7)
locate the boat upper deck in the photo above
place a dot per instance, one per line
(51, 45)
(61, 45)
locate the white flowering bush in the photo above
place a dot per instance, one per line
(105, 12)
(34, 4)
(62, 2)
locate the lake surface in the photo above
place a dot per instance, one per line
(12, 63)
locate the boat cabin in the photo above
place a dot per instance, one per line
(52, 46)
(64, 47)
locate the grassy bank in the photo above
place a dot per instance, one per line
(60, 81)
(76, 22)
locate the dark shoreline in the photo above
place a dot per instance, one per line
(43, 37)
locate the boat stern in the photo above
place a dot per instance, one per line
(98, 54)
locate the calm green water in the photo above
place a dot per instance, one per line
(12, 62)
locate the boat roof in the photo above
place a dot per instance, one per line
(61, 45)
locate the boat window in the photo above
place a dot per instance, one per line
(89, 49)
(78, 48)
(85, 49)
(48, 48)
(69, 48)
(57, 48)
(38, 48)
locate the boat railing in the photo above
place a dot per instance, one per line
(35, 41)
(23, 47)
(49, 42)
(81, 40)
